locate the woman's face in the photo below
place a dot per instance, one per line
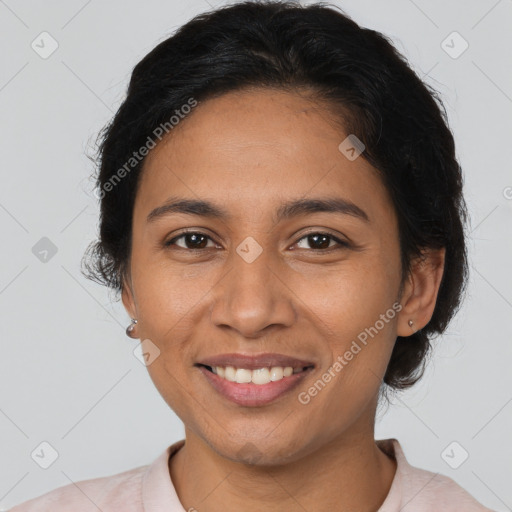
(302, 282)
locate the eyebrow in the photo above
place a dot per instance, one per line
(294, 208)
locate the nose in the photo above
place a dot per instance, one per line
(252, 297)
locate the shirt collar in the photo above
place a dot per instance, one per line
(392, 448)
(159, 494)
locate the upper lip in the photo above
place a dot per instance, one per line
(254, 361)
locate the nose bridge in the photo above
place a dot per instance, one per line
(251, 296)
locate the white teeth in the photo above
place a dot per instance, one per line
(258, 376)
(229, 373)
(242, 376)
(276, 373)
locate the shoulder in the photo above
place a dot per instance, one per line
(104, 493)
(434, 491)
(418, 490)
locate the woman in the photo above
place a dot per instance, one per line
(282, 215)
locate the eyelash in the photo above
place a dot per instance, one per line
(341, 243)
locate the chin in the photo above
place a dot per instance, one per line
(266, 450)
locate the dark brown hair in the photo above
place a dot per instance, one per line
(398, 117)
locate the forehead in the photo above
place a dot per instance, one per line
(256, 148)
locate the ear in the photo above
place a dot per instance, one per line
(420, 291)
(128, 299)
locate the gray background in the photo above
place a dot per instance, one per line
(68, 372)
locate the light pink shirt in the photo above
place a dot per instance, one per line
(150, 489)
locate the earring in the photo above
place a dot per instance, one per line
(130, 328)
(410, 323)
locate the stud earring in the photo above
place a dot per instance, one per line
(410, 323)
(130, 328)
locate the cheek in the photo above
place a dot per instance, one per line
(355, 311)
(168, 295)
(351, 297)
(362, 333)
(168, 305)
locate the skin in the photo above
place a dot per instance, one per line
(249, 152)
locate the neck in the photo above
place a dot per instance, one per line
(348, 473)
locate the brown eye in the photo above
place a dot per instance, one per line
(322, 241)
(192, 241)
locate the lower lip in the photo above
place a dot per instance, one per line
(253, 395)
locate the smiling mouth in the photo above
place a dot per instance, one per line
(258, 376)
